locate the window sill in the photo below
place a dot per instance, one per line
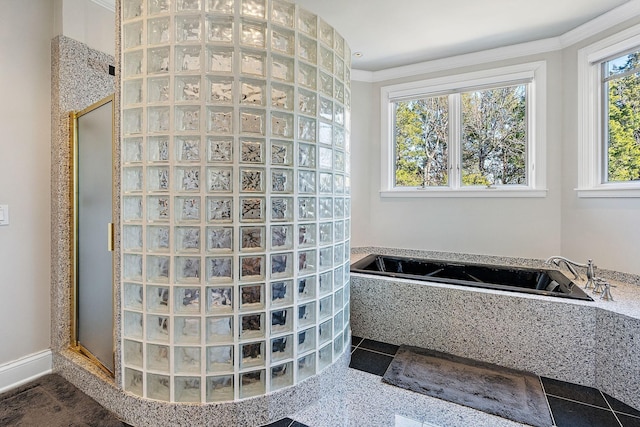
(615, 191)
(466, 193)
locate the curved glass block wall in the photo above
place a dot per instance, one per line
(235, 197)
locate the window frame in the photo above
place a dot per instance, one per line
(534, 73)
(591, 109)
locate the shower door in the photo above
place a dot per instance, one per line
(93, 137)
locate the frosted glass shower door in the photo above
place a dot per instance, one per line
(94, 210)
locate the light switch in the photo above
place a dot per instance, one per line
(4, 214)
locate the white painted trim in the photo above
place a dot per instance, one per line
(28, 368)
(480, 193)
(107, 4)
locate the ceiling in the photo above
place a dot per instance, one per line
(391, 33)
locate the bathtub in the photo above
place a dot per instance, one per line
(547, 282)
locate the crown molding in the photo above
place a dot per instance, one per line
(107, 4)
(601, 23)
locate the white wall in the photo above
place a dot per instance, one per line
(497, 226)
(87, 22)
(25, 152)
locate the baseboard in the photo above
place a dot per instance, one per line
(18, 372)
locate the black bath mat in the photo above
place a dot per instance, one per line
(507, 393)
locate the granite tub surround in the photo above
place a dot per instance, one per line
(590, 343)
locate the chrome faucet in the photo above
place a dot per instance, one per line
(570, 265)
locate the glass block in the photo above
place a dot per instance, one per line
(338, 45)
(306, 208)
(306, 102)
(220, 60)
(281, 208)
(281, 293)
(131, 179)
(326, 109)
(325, 282)
(281, 376)
(219, 209)
(252, 180)
(251, 150)
(306, 314)
(132, 121)
(158, 357)
(132, 208)
(132, 296)
(338, 277)
(132, 325)
(252, 384)
(253, 33)
(325, 258)
(281, 321)
(158, 269)
(324, 357)
(338, 344)
(158, 31)
(158, 60)
(306, 182)
(220, 120)
(306, 288)
(325, 183)
(158, 299)
(252, 297)
(132, 150)
(253, 63)
(282, 68)
(339, 137)
(187, 269)
(339, 231)
(281, 265)
(253, 354)
(219, 149)
(281, 181)
(338, 211)
(339, 115)
(338, 69)
(220, 6)
(282, 96)
(131, 9)
(219, 299)
(253, 92)
(326, 59)
(281, 237)
(252, 121)
(187, 209)
(326, 83)
(306, 340)
(158, 208)
(187, 148)
(187, 179)
(252, 238)
(306, 235)
(157, 239)
(158, 387)
(282, 41)
(159, 6)
(325, 210)
(306, 366)
(325, 33)
(326, 233)
(132, 92)
(281, 153)
(307, 49)
(252, 209)
(339, 184)
(220, 359)
(252, 267)
(281, 348)
(133, 381)
(132, 267)
(283, 13)
(339, 160)
(252, 326)
(219, 329)
(188, 28)
(338, 302)
(306, 129)
(188, 58)
(187, 331)
(187, 300)
(219, 239)
(306, 261)
(281, 125)
(326, 307)
(219, 269)
(158, 89)
(158, 328)
(306, 156)
(325, 332)
(325, 133)
(132, 64)
(187, 88)
(219, 29)
(158, 119)
(219, 179)
(187, 389)
(254, 8)
(307, 23)
(220, 388)
(188, 5)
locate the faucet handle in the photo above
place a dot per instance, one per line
(606, 293)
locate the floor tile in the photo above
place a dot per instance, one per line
(355, 341)
(575, 392)
(381, 347)
(619, 406)
(368, 361)
(628, 421)
(297, 424)
(285, 422)
(572, 414)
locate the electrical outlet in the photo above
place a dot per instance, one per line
(4, 214)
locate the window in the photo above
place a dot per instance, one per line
(609, 109)
(466, 135)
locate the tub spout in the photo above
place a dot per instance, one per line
(571, 264)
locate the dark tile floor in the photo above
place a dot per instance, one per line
(285, 422)
(571, 405)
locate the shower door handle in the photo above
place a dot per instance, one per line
(110, 237)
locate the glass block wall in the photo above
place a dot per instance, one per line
(235, 197)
